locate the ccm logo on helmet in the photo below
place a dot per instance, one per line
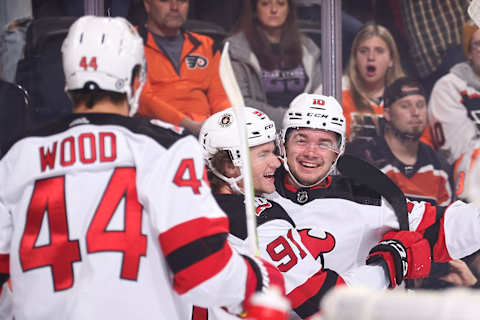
(317, 115)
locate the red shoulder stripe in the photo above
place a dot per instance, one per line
(202, 271)
(191, 230)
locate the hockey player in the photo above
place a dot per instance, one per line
(353, 214)
(106, 216)
(279, 242)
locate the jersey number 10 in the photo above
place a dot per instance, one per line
(60, 254)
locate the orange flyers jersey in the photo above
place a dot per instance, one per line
(195, 91)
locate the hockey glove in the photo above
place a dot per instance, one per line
(268, 305)
(404, 254)
(261, 275)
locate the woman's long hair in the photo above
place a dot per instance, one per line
(357, 85)
(290, 45)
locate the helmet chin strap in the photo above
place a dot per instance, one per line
(232, 182)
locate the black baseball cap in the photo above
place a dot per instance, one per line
(394, 91)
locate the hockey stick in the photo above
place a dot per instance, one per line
(234, 94)
(474, 11)
(369, 175)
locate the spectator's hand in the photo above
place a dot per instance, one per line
(192, 126)
(460, 274)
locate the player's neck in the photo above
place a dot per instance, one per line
(404, 150)
(104, 107)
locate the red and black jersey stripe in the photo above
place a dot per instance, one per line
(196, 251)
(305, 299)
(4, 268)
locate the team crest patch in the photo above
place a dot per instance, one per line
(302, 196)
(225, 120)
(261, 205)
(194, 61)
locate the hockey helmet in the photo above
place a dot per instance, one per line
(101, 53)
(314, 111)
(220, 132)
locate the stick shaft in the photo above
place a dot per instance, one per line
(234, 94)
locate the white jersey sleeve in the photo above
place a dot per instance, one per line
(193, 232)
(453, 232)
(452, 126)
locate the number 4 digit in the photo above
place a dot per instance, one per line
(92, 63)
(187, 166)
(61, 252)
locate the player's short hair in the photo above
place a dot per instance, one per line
(218, 161)
(395, 90)
(91, 96)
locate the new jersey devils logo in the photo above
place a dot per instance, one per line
(317, 242)
(261, 205)
(194, 61)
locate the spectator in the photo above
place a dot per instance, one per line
(272, 60)
(422, 173)
(454, 109)
(433, 30)
(374, 63)
(183, 85)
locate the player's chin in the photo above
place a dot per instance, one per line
(310, 179)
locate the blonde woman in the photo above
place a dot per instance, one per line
(374, 63)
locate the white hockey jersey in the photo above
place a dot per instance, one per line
(298, 255)
(454, 111)
(356, 218)
(103, 216)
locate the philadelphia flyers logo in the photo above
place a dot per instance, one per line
(317, 242)
(194, 61)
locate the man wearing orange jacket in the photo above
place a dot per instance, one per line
(183, 85)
